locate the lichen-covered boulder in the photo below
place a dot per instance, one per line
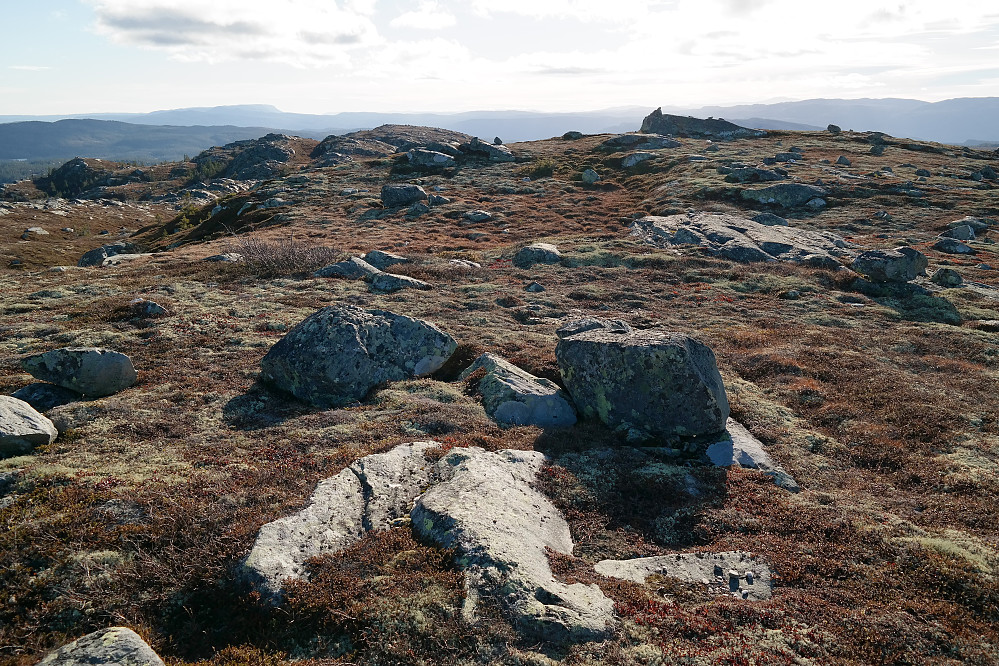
(44, 396)
(591, 323)
(486, 508)
(785, 195)
(368, 495)
(899, 265)
(402, 195)
(98, 256)
(22, 428)
(336, 355)
(354, 268)
(90, 371)
(537, 253)
(512, 396)
(117, 646)
(648, 383)
(390, 282)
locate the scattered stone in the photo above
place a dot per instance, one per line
(703, 568)
(336, 355)
(656, 383)
(33, 231)
(789, 295)
(785, 195)
(816, 203)
(437, 200)
(368, 495)
(464, 263)
(658, 122)
(843, 160)
(572, 136)
(833, 129)
(923, 173)
(478, 148)
(632, 159)
(770, 220)
(752, 175)
(743, 240)
(98, 256)
(947, 277)
(512, 396)
(390, 282)
(877, 150)
(497, 141)
(740, 448)
(22, 428)
(592, 324)
(787, 157)
(226, 257)
(960, 232)
(977, 224)
(899, 265)
(417, 209)
(988, 325)
(354, 268)
(117, 646)
(534, 287)
(394, 196)
(589, 177)
(476, 216)
(952, 246)
(382, 260)
(140, 307)
(90, 371)
(44, 396)
(429, 159)
(537, 253)
(486, 507)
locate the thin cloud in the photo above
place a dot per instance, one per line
(29, 68)
(428, 16)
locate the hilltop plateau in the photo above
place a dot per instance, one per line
(466, 467)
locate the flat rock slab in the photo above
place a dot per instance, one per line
(487, 509)
(736, 573)
(22, 428)
(739, 448)
(648, 383)
(743, 240)
(336, 355)
(785, 195)
(899, 265)
(117, 646)
(402, 195)
(381, 259)
(390, 282)
(90, 371)
(368, 495)
(99, 255)
(354, 268)
(512, 396)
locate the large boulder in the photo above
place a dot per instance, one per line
(98, 256)
(336, 355)
(512, 396)
(368, 495)
(117, 646)
(90, 371)
(480, 149)
(390, 282)
(22, 428)
(961, 232)
(394, 196)
(899, 265)
(648, 383)
(658, 122)
(785, 195)
(953, 246)
(381, 259)
(743, 240)
(537, 253)
(354, 268)
(487, 509)
(429, 159)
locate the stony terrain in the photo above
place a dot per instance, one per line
(448, 507)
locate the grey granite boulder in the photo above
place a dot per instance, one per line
(394, 196)
(512, 396)
(22, 428)
(590, 324)
(739, 448)
(899, 265)
(44, 396)
(97, 256)
(734, 573)
(225, 257)
(649, 383)
(381, 259)
(658, 122)
(953, 246)
(90, 371)
(640, 141)
(117, 646)
(589, 177)
(370, 494)
(960, 232)
(537, 253)
(390, 282)
(336, 355)
(477, 148)
(486, 508)
(743, 240)
(354, 268)
(429, 159)
(785, 195)
(632, 159)
(947, 277)
(770, 220)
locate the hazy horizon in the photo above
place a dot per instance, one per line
(443, 56)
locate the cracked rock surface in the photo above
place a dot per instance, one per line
(737, 573)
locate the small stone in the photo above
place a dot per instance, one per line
(590, 177)
(947, 277)
(732, 573)
(843, 160)
(534, 287)
(382, 260)
(537, 253)
(476, 216)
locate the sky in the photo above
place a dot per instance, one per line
(328, 56)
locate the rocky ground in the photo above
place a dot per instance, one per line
(870, 395)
